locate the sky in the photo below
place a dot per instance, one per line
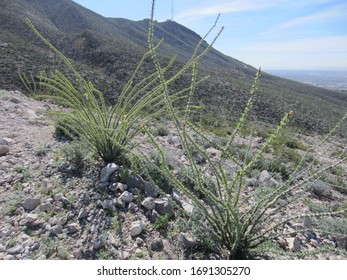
(272, 34)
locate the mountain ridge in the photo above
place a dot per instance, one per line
(106, 50)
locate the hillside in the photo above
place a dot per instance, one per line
(107, 50)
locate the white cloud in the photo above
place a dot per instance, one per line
(337, 11)
(224, 7)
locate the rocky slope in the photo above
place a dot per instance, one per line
(106, 51)
(50, 211)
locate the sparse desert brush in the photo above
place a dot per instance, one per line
(240, 221)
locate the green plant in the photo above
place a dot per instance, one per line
(107, 130)
(42, 150)
(162, 222)
(75, 153)
(241, 221)
(162, 131)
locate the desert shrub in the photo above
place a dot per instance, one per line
(75, 153)
(162, 131)
(240, 221)
(107, 130)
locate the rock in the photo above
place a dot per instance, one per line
(19, 211)
(4, 150)
(293, 244)
(30, 218)
(127, 197)
(157, 244)
(136, 181)
(99, 243)
(31, 203)
(58, 197)
(148, 203)
(186, 239)
(133, 207)
(46, 207)
(108, 205)
(62, 221)
(15, 250)
(139, 241)
(6, 141)
(118, 202)
(154, 216)
(104, 185)
(82, 214)
(136, 228)
(322, 189)
(163, 206)
(115, 177)
(107, 172)
(189, 208)
(151, 190)
(264, 176)
(57, 229)
(121, 187)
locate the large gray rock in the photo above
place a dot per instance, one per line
(136, 181)
(4, 150)
(163, 206)
(31, 203)
(322, 189)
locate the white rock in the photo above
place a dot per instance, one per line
(189, 208)
(136, 228)
(293, 244)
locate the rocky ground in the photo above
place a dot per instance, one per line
(48, 211)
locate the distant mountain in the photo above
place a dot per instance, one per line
(106, 50)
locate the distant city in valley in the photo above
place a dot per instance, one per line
(335, 80)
